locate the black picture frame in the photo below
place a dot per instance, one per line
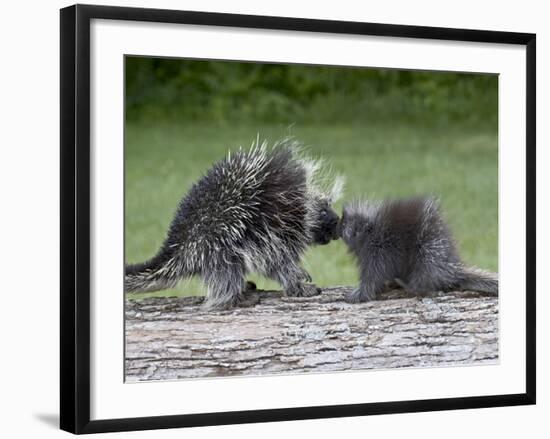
(75, 218)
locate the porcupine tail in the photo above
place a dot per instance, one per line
(475, 279)
(158, 273)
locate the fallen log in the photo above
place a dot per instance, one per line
(175, 338)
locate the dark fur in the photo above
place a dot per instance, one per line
(254, 211)
(408, 242)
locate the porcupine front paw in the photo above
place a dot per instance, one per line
(249, 300)
(303, 290)
(244, 300)
(358, 296)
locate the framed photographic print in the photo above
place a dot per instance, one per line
(272, 218)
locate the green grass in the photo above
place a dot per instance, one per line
(456, 162)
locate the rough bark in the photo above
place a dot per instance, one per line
(174, 338)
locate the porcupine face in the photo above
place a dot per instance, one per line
(353, 228)
(326, 224)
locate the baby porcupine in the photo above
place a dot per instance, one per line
(255, 211)
(406, 241)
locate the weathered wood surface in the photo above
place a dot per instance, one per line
(174, 338)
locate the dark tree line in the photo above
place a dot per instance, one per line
(237, 91)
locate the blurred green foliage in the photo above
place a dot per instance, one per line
(222, 92)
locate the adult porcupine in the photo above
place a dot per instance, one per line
(408, 242)
(254, 211)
